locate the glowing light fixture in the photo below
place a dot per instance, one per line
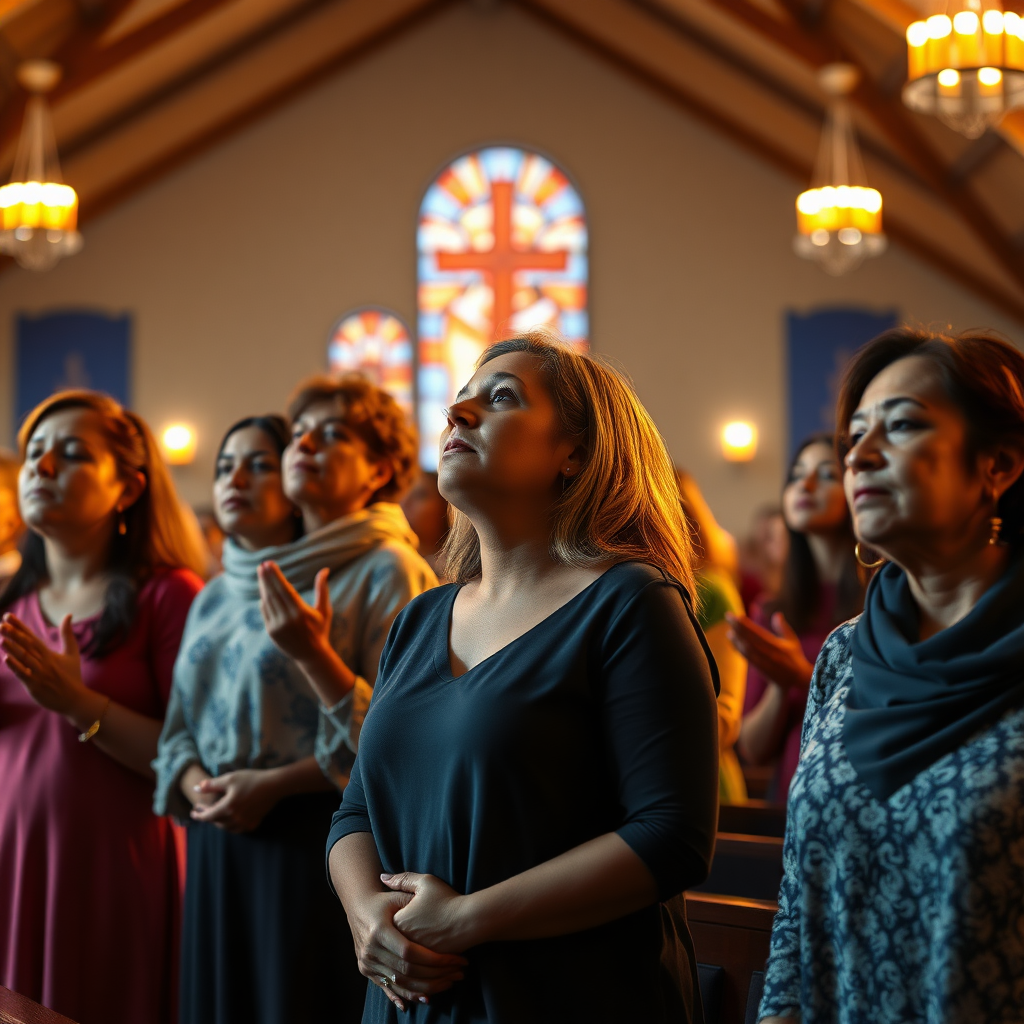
(966, 66)
(179, 444)
(739, 441)
(839, 220)
(38, 212)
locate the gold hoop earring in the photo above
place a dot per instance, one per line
(860, 558)
(996, 525)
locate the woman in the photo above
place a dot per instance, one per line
(716, 565)
(89, 879)
(820, 588)
(902, 857)
(538, 771)
(247, 753)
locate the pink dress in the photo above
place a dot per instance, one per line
(90, 882)
(811, 640)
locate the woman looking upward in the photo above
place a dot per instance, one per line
(902, 856)
(89, 879)
(248, 752)
(821, 587)
(538, 772)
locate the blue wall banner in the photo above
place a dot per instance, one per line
(820, 345)
(70, 349)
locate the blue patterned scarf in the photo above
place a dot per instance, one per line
(912, 702)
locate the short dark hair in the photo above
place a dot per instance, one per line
(982, 375)
(375, 416)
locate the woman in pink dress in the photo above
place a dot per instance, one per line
(89, 877)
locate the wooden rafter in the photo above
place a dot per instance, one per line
(897, 123)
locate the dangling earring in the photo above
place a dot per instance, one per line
(565, 480)
(857, 553)
(997, 525)
(122, 526)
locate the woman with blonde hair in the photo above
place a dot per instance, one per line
(90, 885)
(538, 770)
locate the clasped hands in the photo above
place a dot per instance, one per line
(408, 940)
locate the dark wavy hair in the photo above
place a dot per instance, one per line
(156, 533)
(278, 430)
(982, 375)
(799, 597)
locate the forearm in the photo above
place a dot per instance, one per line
(330, 678)
(762, 730)
(128, 737)
(599, 881)
(355, 868)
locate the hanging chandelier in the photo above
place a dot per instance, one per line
(966, 66)
(839, 219)
(38, 212)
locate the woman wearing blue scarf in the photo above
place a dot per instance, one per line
(903, 893)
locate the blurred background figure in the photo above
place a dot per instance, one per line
(427, 513)
(90, 879)
(214, 537)
(821, 587)
(11, 526)
(715, 566)
(762, 556)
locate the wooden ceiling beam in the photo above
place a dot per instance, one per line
(891, 116)
(786, 137)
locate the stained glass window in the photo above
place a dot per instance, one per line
(375, 343)
(502, 248)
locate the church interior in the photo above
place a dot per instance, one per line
(266, 190)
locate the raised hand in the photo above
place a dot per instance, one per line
(53, 678)
(299, 630)
(777, 654)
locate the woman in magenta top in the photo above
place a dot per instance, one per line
(821, 587)
(89, 877)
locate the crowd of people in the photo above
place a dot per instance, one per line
(449, 747)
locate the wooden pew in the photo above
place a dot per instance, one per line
(18, 1009)
(733, 934)
(746, 866)
(754, 818)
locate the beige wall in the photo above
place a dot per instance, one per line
(236, 266)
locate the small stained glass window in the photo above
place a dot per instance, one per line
(375, 343)
(502, 247)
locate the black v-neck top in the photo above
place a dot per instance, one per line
(600, 719)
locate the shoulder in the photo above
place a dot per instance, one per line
(833, 662)
(395, 559)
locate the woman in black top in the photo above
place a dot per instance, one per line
(538, 770)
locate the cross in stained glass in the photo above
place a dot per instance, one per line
(502, 260)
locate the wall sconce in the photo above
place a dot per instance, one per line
(739, 441)
(179, 444)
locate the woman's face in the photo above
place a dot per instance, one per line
(503, 441)
(328, 467)
(813, 500)
(70, 481)
(248, 499)
(907, 475)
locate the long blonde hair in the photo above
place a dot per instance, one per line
(624, 503)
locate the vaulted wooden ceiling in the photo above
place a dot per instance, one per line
(147, 83)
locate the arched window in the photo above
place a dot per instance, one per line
(502, 247)
(375, 343)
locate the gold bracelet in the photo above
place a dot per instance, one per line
(84, 737)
